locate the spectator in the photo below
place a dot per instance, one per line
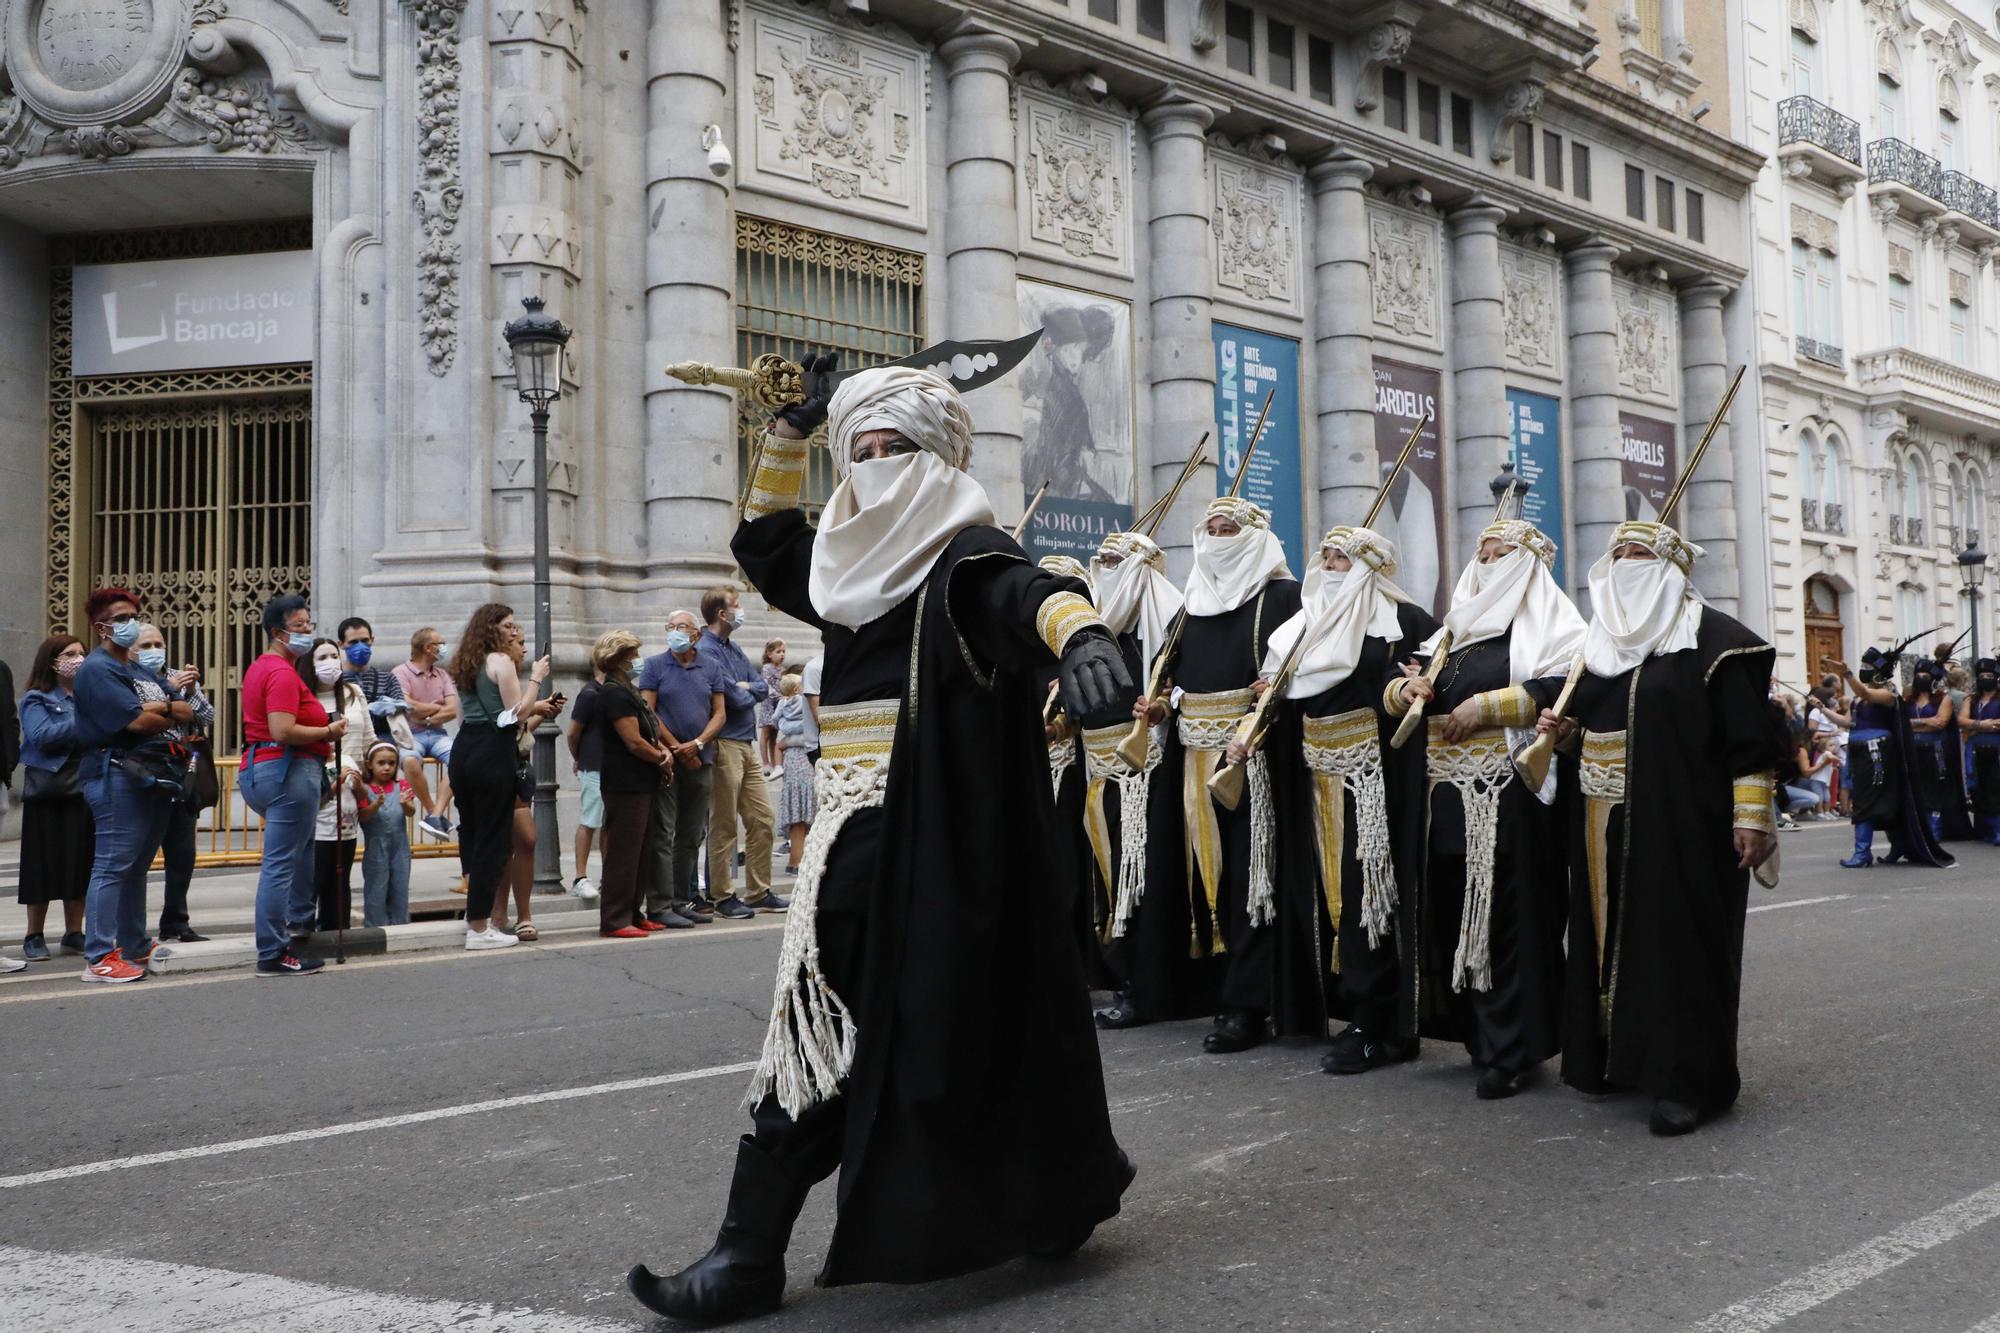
(287, 739)
(177, 851)
(385, 823)
(337, 827)
(586, 757)
(796, 737)
(687, 697)
(389, 712)
(635, 765)
(489, 769)
(740, 788)
(809, 687)
(128, 779)
(767, 708)
(57, 838)
(433, 701)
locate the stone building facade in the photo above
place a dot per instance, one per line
(1530, 217)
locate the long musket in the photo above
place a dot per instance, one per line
(1408, 726)
(1028, 515)
(1149, 522)
(1533, 762)
(1133, 748)
(1226, 783)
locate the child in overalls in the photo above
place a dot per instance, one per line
(385, 859)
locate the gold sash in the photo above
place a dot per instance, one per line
(1342, 753)
(1207, 721)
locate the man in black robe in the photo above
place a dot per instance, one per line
(1678, 766)
(930, 1034)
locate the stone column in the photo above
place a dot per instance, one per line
(1481, 436)
(1597, 487)
(1181, 271)
(982, 246)
(1345, 344)
(1708, 516)
(690, 468)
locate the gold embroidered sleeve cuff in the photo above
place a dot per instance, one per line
(1511, 707)
(1061, 618)
(1754, 806)
(781, 475)
(1393, 701)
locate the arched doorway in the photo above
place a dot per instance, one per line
(1826, 636)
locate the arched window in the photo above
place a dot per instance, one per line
(1909, 610)
(1809, 482)
(1888, 89)
(1805, 49)
(1906, 525)
(1969, 509)
(1832, 508)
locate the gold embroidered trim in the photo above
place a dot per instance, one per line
(1393, 699)
(1326, 737)
(781, 475)
(1754, 806)
(852, 733)
(1509, 707)
(1208, 720)
(1602, 774)
(1062, 617)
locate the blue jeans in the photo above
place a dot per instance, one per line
(286, 792)
(131, 822)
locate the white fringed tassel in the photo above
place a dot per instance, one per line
(1373, 849)
(1263, 905)
(1132, 793)
(1473, 965)
(1062, 754)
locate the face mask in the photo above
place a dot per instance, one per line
(66, 666)
(359, 653)
(678, 641)
(873, 480)
(153, 659)
(299, 644)
(1989, 683)
(125, 634)
(736, 618)
(328, 672)
(438, 652)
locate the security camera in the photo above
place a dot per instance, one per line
(719, 160)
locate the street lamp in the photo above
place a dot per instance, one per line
(536, 341)
(1972, 569)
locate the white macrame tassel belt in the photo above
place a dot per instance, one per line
(1102, 764)
(1480, 769)
(1349, 746)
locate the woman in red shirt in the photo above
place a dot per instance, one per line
(287, 737)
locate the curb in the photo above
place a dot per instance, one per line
(366, 942)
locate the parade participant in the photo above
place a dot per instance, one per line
(1349, 809)
(1493, 871)
(1216, 901)
(930, 1034)
(1979, 723)
(1878, 764)
(1937, 767)
(1679, 758)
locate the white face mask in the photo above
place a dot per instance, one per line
(1633, 582)
(874, 479)
(328, 672)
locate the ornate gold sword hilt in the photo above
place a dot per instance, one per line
(770, 382)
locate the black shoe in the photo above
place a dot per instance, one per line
(72, 943)
(1497, 1084)
(703, 903)
(670, 920)
(288, 964)
(1355, 1052)
(744, 1273)
(1671, 1119)
(694, 913)
(770, 902)
(185, 935)
(735, 909)
(1120, 1014)
(1237, 1030)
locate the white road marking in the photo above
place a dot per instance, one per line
(367, 1126)
(1823, 1282)
(1990, 1324)
(45, 1290)
(1802, 902)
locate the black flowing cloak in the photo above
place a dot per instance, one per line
(976, 1128)
(1695, 721)
(1171, 968)
(1518, 1023)
(1387, 979)
(1937, 776)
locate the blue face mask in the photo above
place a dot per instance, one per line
(126, 633)
(299, 644)
(678, 641)
(359, 653)
(153, 659)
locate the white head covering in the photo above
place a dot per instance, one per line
(1340, 610)
(1641, 607)
(1515, 592)
(1229, 571)
(1134, 595)
(888, 520)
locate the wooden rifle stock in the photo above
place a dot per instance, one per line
(1532, 764)
(1408, 726)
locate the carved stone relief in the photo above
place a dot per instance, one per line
(1647, 335)
(1959, 283)
(835, 115)
(1075, 172)
(1403, 268)
(1257, 225)
(440, 186)
(1816, 230)
(1531, 307)
(1901, 262)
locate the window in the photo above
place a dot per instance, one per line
(1319, 69)
(1805, 64)
(1909, 610)
(1910, 499)
(1961, 348)
(1663, 198)
(1809, 478)
(1899, 311)
(1635, 193)
(1428, 126)
(1278, 45)
(1552, 159)
(1815, 295)
(1888, 106)
(1461, 125)
(1104, 9)
(1153, 19)
(1239, 32)
(1579, 170)
(1697, 216)
(1947, 152)
(1395, 99)
(1524, 151)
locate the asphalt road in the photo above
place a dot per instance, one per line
(1854, 1187)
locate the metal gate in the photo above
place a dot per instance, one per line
(203, 507)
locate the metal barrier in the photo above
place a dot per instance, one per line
(231, 834)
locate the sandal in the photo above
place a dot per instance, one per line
(526, 932)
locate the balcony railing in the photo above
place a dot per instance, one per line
(1891, 161)
(1825, 353)
(1962, 194)
(1803, 120)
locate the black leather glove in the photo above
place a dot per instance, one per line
(1093, 676)
(808, 416)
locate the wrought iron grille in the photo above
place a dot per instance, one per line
(1825, 353)
(799, 291)
(1804, 120)
(1899, 162)
(1962, 194)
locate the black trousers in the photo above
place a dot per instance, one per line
(1246, 977)
(177, 851)
(1370, 979)
(333, 880)
(484, 765)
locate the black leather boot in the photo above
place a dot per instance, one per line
(744, 1274)
(1236, 1030)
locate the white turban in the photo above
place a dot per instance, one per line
(919, 404)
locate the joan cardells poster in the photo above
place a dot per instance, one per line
(1647, 464)
(1414, 516)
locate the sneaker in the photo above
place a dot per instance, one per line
(694, 914)
(438, 826)
(771, 902)
(73, 943)
(1355, 1052)
(34, 948)
(581, 887)
(489, 938)
(13, 964)
(112, 969)
(288, 964)
(671, 920)
(702, 903)
(734, 909)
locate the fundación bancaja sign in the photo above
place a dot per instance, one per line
(192, 314)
